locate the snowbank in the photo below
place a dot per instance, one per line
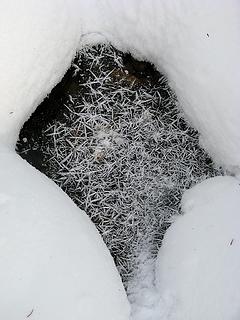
(198, 268)
(186, 39)
(53, 262)
(197, 44)
(38, 40)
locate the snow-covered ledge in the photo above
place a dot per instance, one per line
(197, 45)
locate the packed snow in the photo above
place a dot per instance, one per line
(37, 44)
(197, 273)
(53, 260)
(196, 43)
(186, 39)
(53, 263)
(198, 268)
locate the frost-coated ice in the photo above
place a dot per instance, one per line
(53, 263)
(198, 269)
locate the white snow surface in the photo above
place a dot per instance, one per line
(196, 43)
(53, 263)
(197, 273)
(198, 267)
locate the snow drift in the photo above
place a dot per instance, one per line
(186, 39)
(53, 262)
(38, 41)
(198, 268)
(197, 44)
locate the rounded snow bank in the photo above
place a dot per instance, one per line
(198, 268)
(38, 41)
(186, 39)
(54, 265)
(197, 45)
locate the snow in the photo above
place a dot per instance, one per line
(197, 273)
(200, 55)
(37, 45)
(142, 292)
(198, 267)
(53, 262)
(186, 39)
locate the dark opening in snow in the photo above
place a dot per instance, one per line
(111, 136)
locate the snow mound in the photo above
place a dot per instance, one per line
(200, 55)
(54, 264)
(198, 267)
(187, 40)
(38, 43)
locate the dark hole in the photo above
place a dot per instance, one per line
(111, 136)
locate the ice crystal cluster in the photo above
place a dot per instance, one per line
(123, 152)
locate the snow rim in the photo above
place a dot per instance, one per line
(126, 132)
